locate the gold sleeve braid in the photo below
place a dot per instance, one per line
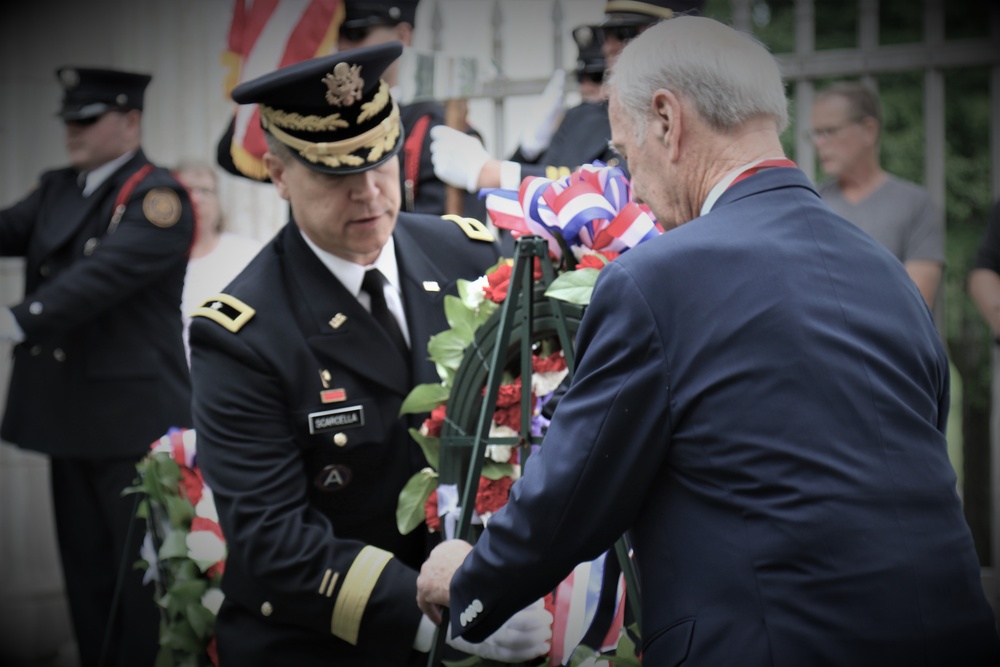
(355, 592)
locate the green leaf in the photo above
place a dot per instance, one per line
(201, 619)
(410, 508)
(494, 471)
(460, 318)
(424, 398)
(448, 347)
(180, 510)
(431, 445)
(174, 545)
(164, 658)
(574, 286)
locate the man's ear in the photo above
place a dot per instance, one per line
(404, 33)
(666, 116)
(276, 171)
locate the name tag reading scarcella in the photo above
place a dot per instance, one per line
(320, 422)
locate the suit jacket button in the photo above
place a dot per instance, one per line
(36, 350)
(58, 354)
(89, 247)
(267, 609)
(44, 270)
(36, 308)
(340, 439)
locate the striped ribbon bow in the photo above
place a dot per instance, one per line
(592, 208)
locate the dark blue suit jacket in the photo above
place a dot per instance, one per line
(760, 400)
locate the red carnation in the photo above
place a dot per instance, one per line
(192, 483)
(499, 283)
(508, 412)
(492, 494)
(555, 362)
(213, 652)
(431, 512)
(433, 423)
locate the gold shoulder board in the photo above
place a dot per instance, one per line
(474, 229)
(227, 310)
(162, 207)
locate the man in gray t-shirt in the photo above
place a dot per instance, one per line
(846, 122)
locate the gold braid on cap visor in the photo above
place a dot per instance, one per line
(378, 141)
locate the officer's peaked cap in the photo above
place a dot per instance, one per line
(335, 113)
(630, 12)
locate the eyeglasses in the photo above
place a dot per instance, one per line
(623, 33)
(822, 133)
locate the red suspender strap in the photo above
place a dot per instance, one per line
(411, 158)
(123, 195)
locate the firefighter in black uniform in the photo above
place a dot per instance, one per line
(99, 370)
(300, 369)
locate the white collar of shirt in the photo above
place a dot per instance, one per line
(96, 177)
(723, 185)
(351, 275)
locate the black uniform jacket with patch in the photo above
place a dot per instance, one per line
(297, 392)
(102, 371)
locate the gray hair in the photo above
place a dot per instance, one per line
(729, 76)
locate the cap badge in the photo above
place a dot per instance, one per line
(344, 85)
(70, 78)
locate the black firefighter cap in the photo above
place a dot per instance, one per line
(91, 92)
(335, 112)
(367, 13)
(630, 12)
(588, 43)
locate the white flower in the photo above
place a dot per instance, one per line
(543, 384)
(148, 554)
(206, 506)
(475, 294)
(212, 600)
(205, 548)
(498, 453)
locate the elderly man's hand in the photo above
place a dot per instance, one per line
(434, 582)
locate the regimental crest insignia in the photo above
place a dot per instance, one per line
(344, 85)
(162, 207)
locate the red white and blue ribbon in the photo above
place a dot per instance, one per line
(591, 208)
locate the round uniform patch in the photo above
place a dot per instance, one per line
(162, 207)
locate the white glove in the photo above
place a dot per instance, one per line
(525, 635)
(547, 110)
(10, 330)
(458, 157)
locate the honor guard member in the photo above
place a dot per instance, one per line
(300, 369)
(99, 370)
(370, 22)
(584, 132)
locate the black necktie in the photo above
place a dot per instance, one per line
(374, 284)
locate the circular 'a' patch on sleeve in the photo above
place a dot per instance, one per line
(162, 207)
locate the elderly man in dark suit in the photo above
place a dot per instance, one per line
(300, 368)
(760, 401)
(99, 372)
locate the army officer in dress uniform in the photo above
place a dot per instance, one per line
(300, 369)
(99, 370)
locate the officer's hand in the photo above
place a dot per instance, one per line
(526, 635)
(458, 158)
(535, 139)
